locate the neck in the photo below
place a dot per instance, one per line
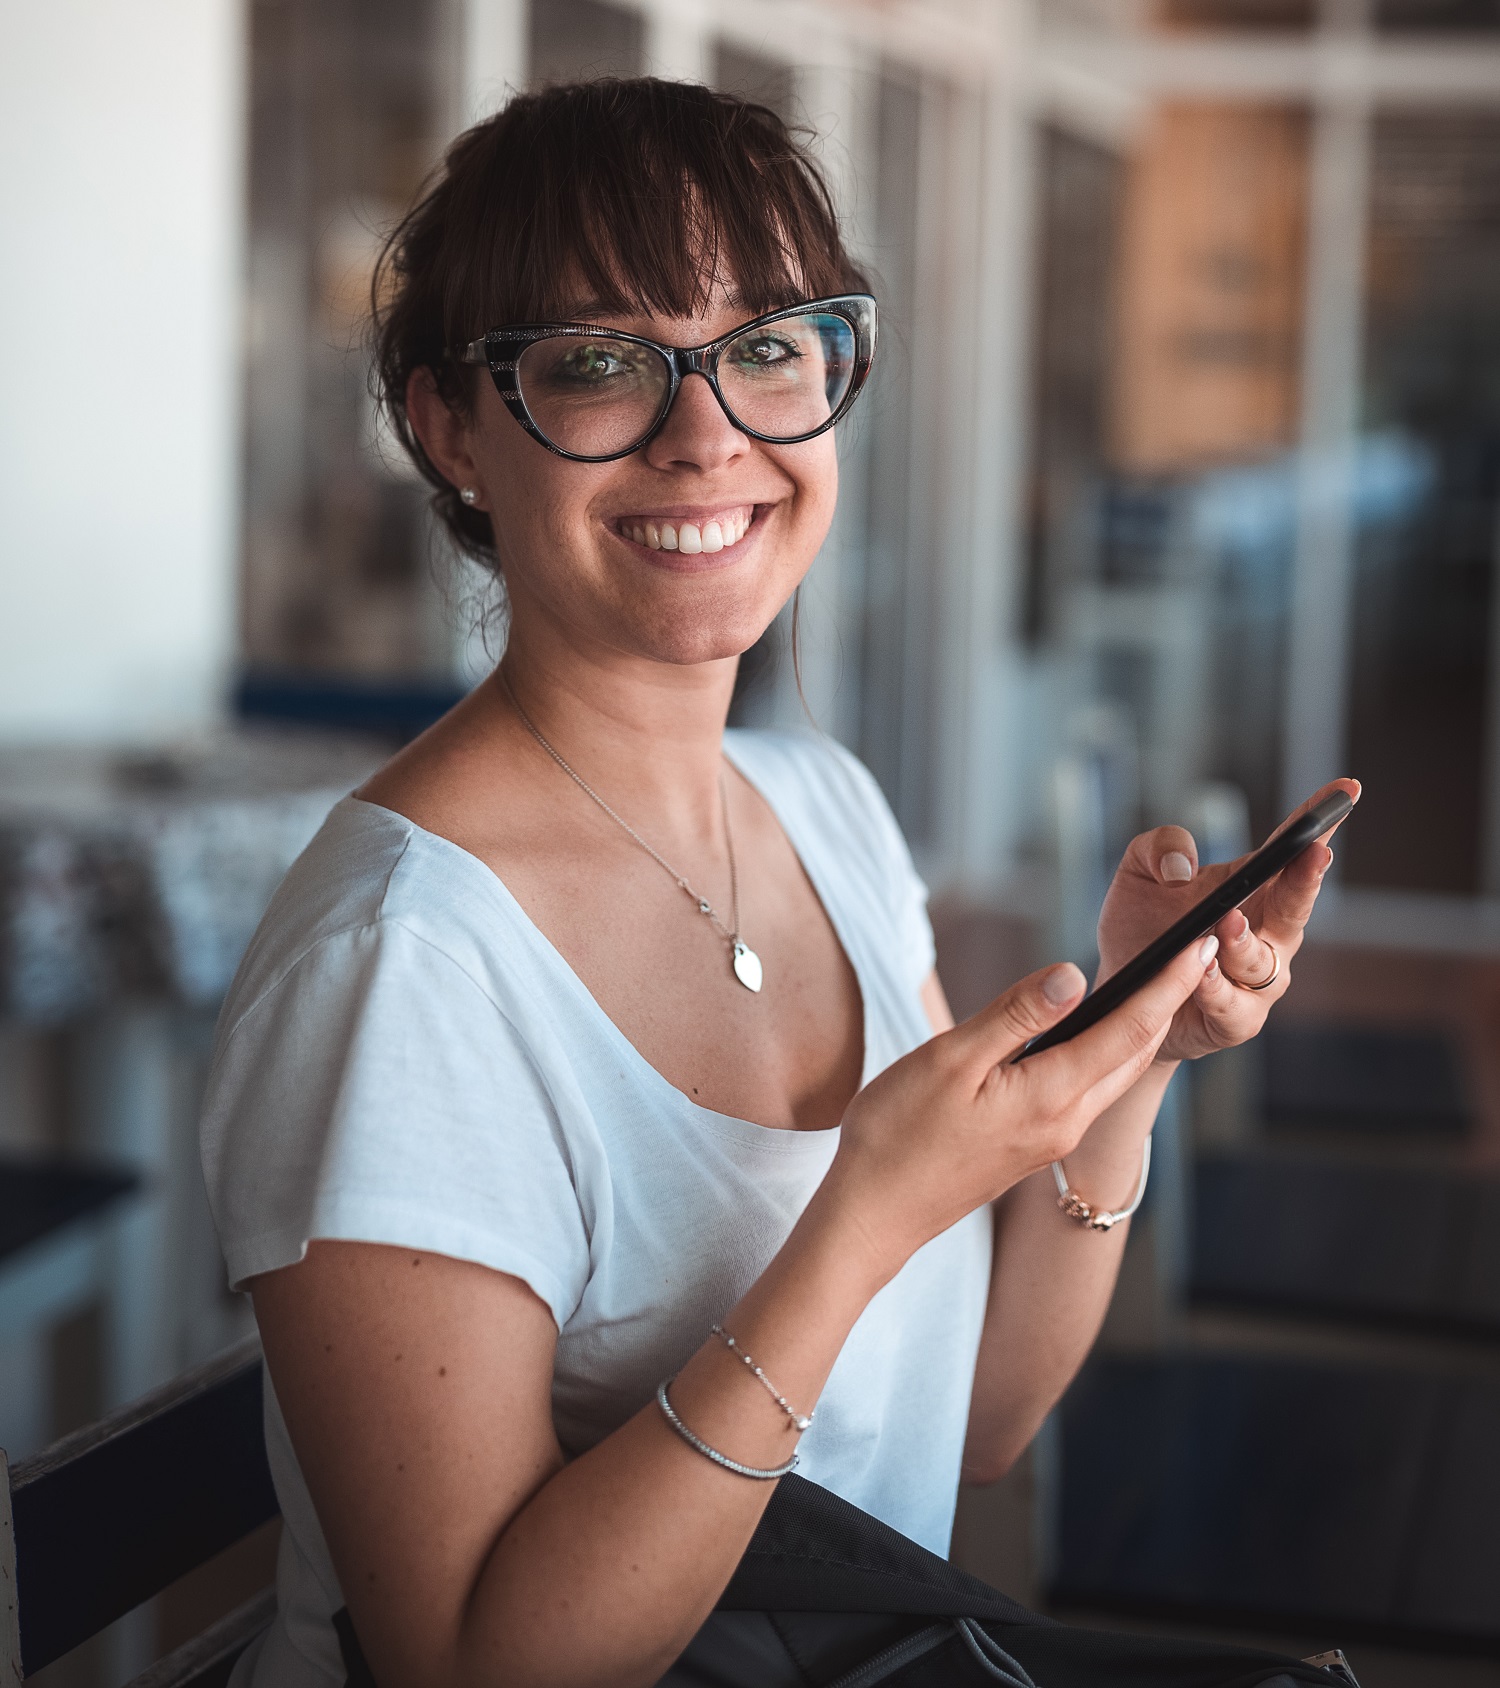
(646, 734)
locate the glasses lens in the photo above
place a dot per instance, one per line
(593, 394)
(786, 378)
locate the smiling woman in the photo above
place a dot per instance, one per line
(589, 1070)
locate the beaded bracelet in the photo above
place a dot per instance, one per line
(803, 1421)
(1096, 1219)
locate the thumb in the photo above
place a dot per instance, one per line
(1167, 855)
(1038, 1001)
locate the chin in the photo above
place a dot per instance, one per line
(715, 632)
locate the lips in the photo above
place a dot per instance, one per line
(707, 534)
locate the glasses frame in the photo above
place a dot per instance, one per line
(501, 348)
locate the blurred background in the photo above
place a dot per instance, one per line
(1176, 493)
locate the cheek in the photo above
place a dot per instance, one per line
(541, 500)
(814, 470)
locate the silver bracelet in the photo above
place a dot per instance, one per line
(803, 1421)
(761, 1473)
(1069, 1200)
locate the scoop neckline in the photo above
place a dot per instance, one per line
(781, 1137)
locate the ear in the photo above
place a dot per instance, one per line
(444, 433)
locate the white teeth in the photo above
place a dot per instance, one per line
(690, 537)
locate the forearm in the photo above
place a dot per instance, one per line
(1051, 1282)
(605, 1575)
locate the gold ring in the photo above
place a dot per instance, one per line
(1265, 984)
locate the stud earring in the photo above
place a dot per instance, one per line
(469, 494)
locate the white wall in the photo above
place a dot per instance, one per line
(121, 207)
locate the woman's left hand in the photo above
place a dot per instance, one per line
(1159, 880)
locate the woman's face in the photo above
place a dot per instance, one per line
(580, 543)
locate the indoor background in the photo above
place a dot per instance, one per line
(1176, 493)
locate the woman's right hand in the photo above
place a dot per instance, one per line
(954, 1125)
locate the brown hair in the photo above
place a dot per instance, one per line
(642, 191)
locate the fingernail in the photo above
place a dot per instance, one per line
(1062, 984)
(1211, 971)
(1176, 869)
(1208, 949)
(1329, 863)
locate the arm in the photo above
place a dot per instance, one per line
(417, 1389)
(1051, 1282)
(1052, 1279)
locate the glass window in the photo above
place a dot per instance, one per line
(571, 40)
(1418, 17)
(753, 76)
(1274, 15)
(1162, 511)
(349, 105)
(1427, 502)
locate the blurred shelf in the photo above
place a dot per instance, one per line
(1342, 1500)
(1398, 1246)
(1367, 1081)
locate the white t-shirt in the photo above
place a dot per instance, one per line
(403, 1058)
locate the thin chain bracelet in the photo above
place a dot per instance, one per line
(1096, 1219)
(803, 1421)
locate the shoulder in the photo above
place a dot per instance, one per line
(824, 795)
(371, 894)
(378, 1060)
(811, 772)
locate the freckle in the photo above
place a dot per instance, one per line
(400, 1356)
(370, 1577)
(416, 1262)
(327, 1347)
(442, 1371)
(400, 1466)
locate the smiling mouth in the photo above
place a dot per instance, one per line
(716, 533)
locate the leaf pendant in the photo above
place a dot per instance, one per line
(747, 967)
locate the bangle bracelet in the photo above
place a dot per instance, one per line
(1095, 1219)
(762, 1474)
(803, 1421)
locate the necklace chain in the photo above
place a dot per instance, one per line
(704, 906)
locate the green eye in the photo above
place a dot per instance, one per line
(766, 351)
(591, 364)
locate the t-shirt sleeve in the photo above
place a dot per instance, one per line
(375, 1093)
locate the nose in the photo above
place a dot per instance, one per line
(697, 433)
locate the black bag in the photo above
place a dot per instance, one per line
(828, 1597)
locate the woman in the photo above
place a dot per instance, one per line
(589, 1048)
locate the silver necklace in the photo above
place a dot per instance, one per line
(744, 960)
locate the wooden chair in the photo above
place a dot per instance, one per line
(111, 1515)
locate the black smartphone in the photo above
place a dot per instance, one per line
(1265, 864)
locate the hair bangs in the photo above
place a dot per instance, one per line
(643, 196)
